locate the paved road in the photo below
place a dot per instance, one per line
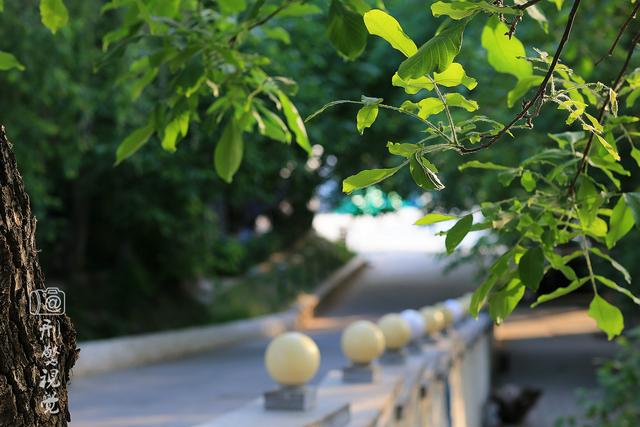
(196, 389)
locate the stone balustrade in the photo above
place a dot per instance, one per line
(435, 376)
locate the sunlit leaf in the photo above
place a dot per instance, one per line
(366, 178)
(613, 285)
(620, 223)
(633, 201)
(366, 116)
(505, 54)
(476, 164)
(294, 121)
(54, 14)
(8, 61)
(458, 232)
(607, 316)
(436, 54)
(383, 25)
(462, 9)
(433, 218)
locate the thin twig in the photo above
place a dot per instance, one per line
(614, 87)
(454, 135)
(523, 6)
(619, 35)
(541, 89)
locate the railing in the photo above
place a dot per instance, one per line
(442, 380)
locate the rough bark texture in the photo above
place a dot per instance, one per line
(22, 344)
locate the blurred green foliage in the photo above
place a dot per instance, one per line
(123, 239)
(616, 402)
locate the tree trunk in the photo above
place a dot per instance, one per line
(37, 343)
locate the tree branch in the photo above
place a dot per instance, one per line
(541, 89)
(619, 35)
(615, 86)
(528, 4)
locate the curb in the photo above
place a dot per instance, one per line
(118, 353)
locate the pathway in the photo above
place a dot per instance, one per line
(192, 390)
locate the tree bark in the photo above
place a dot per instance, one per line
(37, 351)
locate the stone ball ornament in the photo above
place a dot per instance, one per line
(434, 319)
(446, 313)
(415, 321)
(362, 342)
(456, 308)
(396, 331)
(292, 359)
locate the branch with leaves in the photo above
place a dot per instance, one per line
(553, 230)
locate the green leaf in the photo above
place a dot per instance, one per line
(383, 25)
(607, 316)
(457, 100)
(366, 116)
(8, 61)
(346, 30)
(503, 302)
(402, 149)
(458, 232)
(274, 127)
(1, 5)
(504, 53)
(558, 3)
(531, 268)
(54, 14)
(476, 164)
(429, 106)
(635, 153)
(462, 9)
(615, 264)
(479, 296)
(433, 218)
(527, 181)
(613, 285)
(423, 173)
(294, 121)
(229, 151)
(522, 87)
(620, 223)
(133, 142)
(231, 7)
(453, 76)
(178, 126)
(366, 178)
(576, 284)
(633, 201)
(610, 148)
(435, 55)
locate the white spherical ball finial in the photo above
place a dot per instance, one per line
(446, 313)
(362, 341)
(396, 331)
(456, 308)
(292, 358)
(434, 319)
(415, 321)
